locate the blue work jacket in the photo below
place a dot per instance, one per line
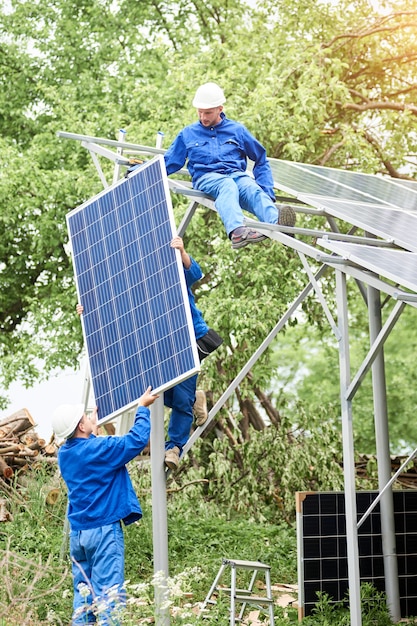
(223, 148)
(192, 275)
(100, 491)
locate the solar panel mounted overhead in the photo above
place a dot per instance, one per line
(379, 189)
(136, 321)
(395, 265)
(296, 178)
(391, 224)
(408, 184)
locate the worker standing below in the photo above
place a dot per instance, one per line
(100, 497)
(184, 400)
(216, 150)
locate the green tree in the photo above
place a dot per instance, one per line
(317, 82)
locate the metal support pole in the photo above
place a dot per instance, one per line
(348, 454)
(116, 171)
(159, 139)
(384, 461)
(159, 513)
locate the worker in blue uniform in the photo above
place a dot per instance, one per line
(100, 497)
(184, 399)
(216, 150)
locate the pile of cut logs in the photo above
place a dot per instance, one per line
(20, 445)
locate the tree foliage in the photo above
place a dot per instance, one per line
(332, 84)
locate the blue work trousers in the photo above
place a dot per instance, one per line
(234, 192)
(97, 557)
(180, 399)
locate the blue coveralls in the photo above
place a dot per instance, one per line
(181, 398)
(217, 162)
(100, 496)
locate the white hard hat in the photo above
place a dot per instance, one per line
(208, 96)
(66, 418)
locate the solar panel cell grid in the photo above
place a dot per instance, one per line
(137, 324)
(323, 545)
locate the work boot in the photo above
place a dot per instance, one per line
(243, 236)
(200, 407)
(286, 216)
(172, 458)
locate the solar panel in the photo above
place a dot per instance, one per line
(395, 265)
(322, 547)
(137, 323)
(397, 226)
(296, 178)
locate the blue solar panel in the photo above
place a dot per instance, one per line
(137, 322)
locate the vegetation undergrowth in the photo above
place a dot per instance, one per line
(36, 583)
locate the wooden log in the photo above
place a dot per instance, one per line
(52, 496)
(5, 515)
(29, 438)
(36, 445)
(12, 449)
(8, 442)
(50, 449)
(15, 461)
(5, 469)
(16, 423)
(28, 452)
(32, 440)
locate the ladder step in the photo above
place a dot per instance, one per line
(254, 599)
(229, 590)
(247, 564)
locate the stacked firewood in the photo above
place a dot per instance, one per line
(20, 445)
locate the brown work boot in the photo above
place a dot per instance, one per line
(200, 407)
(287, 216)
(172, 458)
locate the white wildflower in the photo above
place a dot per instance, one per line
(83, 590)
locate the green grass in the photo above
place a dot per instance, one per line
(36, 584)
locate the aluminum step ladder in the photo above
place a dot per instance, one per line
(245, 596)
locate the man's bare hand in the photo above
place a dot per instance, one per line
(147, 398)
(178, 244)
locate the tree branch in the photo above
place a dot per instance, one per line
(378, 27)
(388, 165)
(379, 106)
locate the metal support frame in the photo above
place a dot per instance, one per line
(343, 268)
(256, 355)
(348, 454)
(159, 513)
(387, 486)
(384, 461)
